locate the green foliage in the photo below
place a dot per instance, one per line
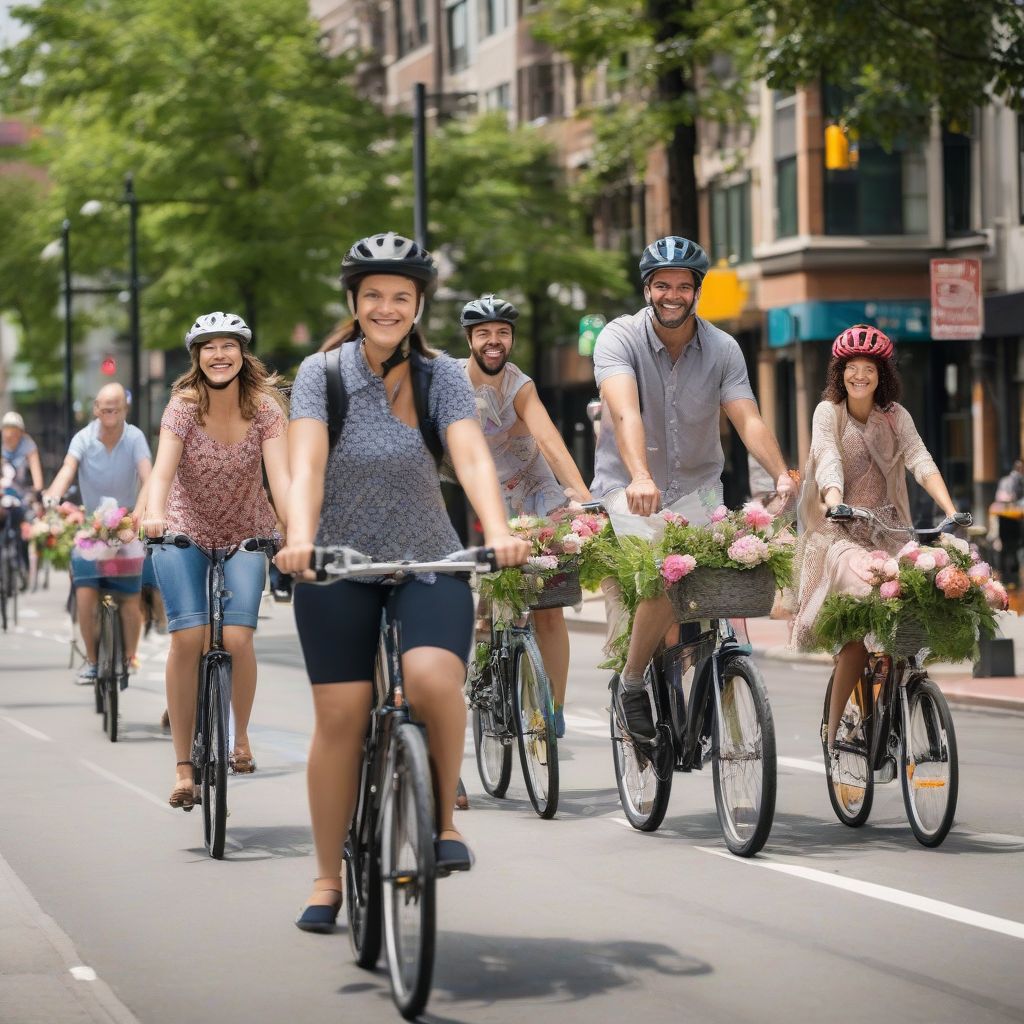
(511, 592)
(599, 559)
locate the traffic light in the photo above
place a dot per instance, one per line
(109, 366)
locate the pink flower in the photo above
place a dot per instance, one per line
(717, 536)
(980, 572)
(543, 561)
(674, 518)
(675, 567)
(581, 526)
(719, 514)
(996, 595)
(952, 582)
(940, 556)
(749, 550)
(757, 516)
(890, 589)
(112, 519)
(572, 544)
(909, 551)
(925, 562)
(891, 568)
(545, 534)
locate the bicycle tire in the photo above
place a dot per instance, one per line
(109, 657)
(533, 710)
(213, 769)
(852, 794)
(5, 584)
(408, 872)
(14, 584)
(362, 901)
(929, 796)
(746, 810)
(643, 792)
(493, 754)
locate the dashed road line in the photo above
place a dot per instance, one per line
(138, 790)
(27, 729)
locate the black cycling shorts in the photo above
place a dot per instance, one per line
(339, 624)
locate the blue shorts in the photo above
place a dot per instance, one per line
(183, 575)
(82, 570)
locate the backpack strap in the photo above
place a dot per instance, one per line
(422, 372)
(337, 397)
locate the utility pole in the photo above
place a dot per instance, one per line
(134, 329)
(69, 405)
(419, 163)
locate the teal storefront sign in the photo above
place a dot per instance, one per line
(901, 319)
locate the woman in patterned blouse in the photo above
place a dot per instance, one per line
(225, 422)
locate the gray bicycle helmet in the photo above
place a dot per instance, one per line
(218, 325)
(387, 254)
(674, 253)
(488, 309)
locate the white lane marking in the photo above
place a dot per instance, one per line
(82, 973)
(111, 777)
(27, 729)
(924, 904)
(802, 764)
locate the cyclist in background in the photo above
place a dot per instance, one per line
(536, 471)
(666, 375)
(378, 490)
(24, 480)
(224, 422)
(111, 459)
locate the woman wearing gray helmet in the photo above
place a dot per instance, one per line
(225, 422)
(377, 489)
(536, 471)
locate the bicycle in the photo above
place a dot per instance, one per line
(511, 702)
(213, 700)
(10, 561)
(390, 867)
(710, 703)
(895, 722)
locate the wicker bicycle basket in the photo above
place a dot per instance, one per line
(562, 590)
(723, 594)
(908, 639)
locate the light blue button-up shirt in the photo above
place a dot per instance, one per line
(109, 474)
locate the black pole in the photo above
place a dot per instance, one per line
(69, 407)
(419, 162)
(134, 329)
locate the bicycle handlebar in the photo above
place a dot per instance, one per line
(345, 563)
(847, 513)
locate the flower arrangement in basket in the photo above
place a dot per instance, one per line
(551, 577)
(53, 535)
(944, 596)
(110, 541)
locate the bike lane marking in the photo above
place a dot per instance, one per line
(883, 893)
(138, 790)
(27, 729)
(802, 764)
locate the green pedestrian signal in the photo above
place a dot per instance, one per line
(590, 327)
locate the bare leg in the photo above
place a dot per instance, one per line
(433, 683)
(332, 774)
(849, 669)
(131, 622)
(239, 642)
(88, 600)
(653, 620)
(182, 682)
(553, 641)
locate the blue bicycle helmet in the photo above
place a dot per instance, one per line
(674, 253)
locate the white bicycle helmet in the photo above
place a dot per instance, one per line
(218, 325)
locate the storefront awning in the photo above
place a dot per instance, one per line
(901, 319)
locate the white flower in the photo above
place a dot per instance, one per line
(925, 562)
(543, 561)
(947, 540)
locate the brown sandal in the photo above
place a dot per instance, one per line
(184, 793)
(242, 764)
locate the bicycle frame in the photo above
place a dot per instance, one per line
(503, 644)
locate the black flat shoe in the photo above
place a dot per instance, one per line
(452, 855)
(320, 917)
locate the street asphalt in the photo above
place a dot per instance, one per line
(110, 910)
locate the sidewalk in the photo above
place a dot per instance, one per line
(770, 639)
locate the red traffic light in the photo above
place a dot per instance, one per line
(108, 367)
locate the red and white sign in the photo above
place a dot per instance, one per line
(957, 305)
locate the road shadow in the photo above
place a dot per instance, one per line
(574, 805)
(267, 842)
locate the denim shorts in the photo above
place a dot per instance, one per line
(81, 575)
(183, 575)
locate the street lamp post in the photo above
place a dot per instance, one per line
(69, 408)
(134, 330)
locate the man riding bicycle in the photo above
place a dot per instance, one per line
(665, 375)
(535, 469)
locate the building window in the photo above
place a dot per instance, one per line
(499, 98)
(422, 30)
(956, 171)
(494, 16)
(458, 36)
(784, 146)
(539, 91)
(401, 37)
(730, 223)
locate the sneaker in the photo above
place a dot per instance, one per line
(86, 674)
(559, 723)
(634, 710)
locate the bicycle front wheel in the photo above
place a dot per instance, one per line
(213, 767)
(850, 780)
(408, 874)
(362, 898)
(534, 714)
(110, 665)
(493, 754)
(931, 773)
(743, 761)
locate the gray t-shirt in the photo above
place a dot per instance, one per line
(382, 493)
(109, 474)
(679, 403)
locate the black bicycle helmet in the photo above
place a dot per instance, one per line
(674, 253)
(387, 253)
(486, 310)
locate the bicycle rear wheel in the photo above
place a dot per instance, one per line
(743, 762)
(534, 715)
(851, 786)
(931, 774)
(213, 765)
(493, 755)
(408, 874)
(5, 587)
(642, 793)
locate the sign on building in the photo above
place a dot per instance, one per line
(590, 327)
(957, 312)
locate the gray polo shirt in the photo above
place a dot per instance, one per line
(679, 403)
(109, 474)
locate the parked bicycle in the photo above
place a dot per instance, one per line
(390, 866)
(511, 703)
(210, 738)
(896, 722)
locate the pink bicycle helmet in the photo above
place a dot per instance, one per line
(862, 340)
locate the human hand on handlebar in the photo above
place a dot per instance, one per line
(508, 550)
(643, 496)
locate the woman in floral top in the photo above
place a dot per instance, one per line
(224, 422)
